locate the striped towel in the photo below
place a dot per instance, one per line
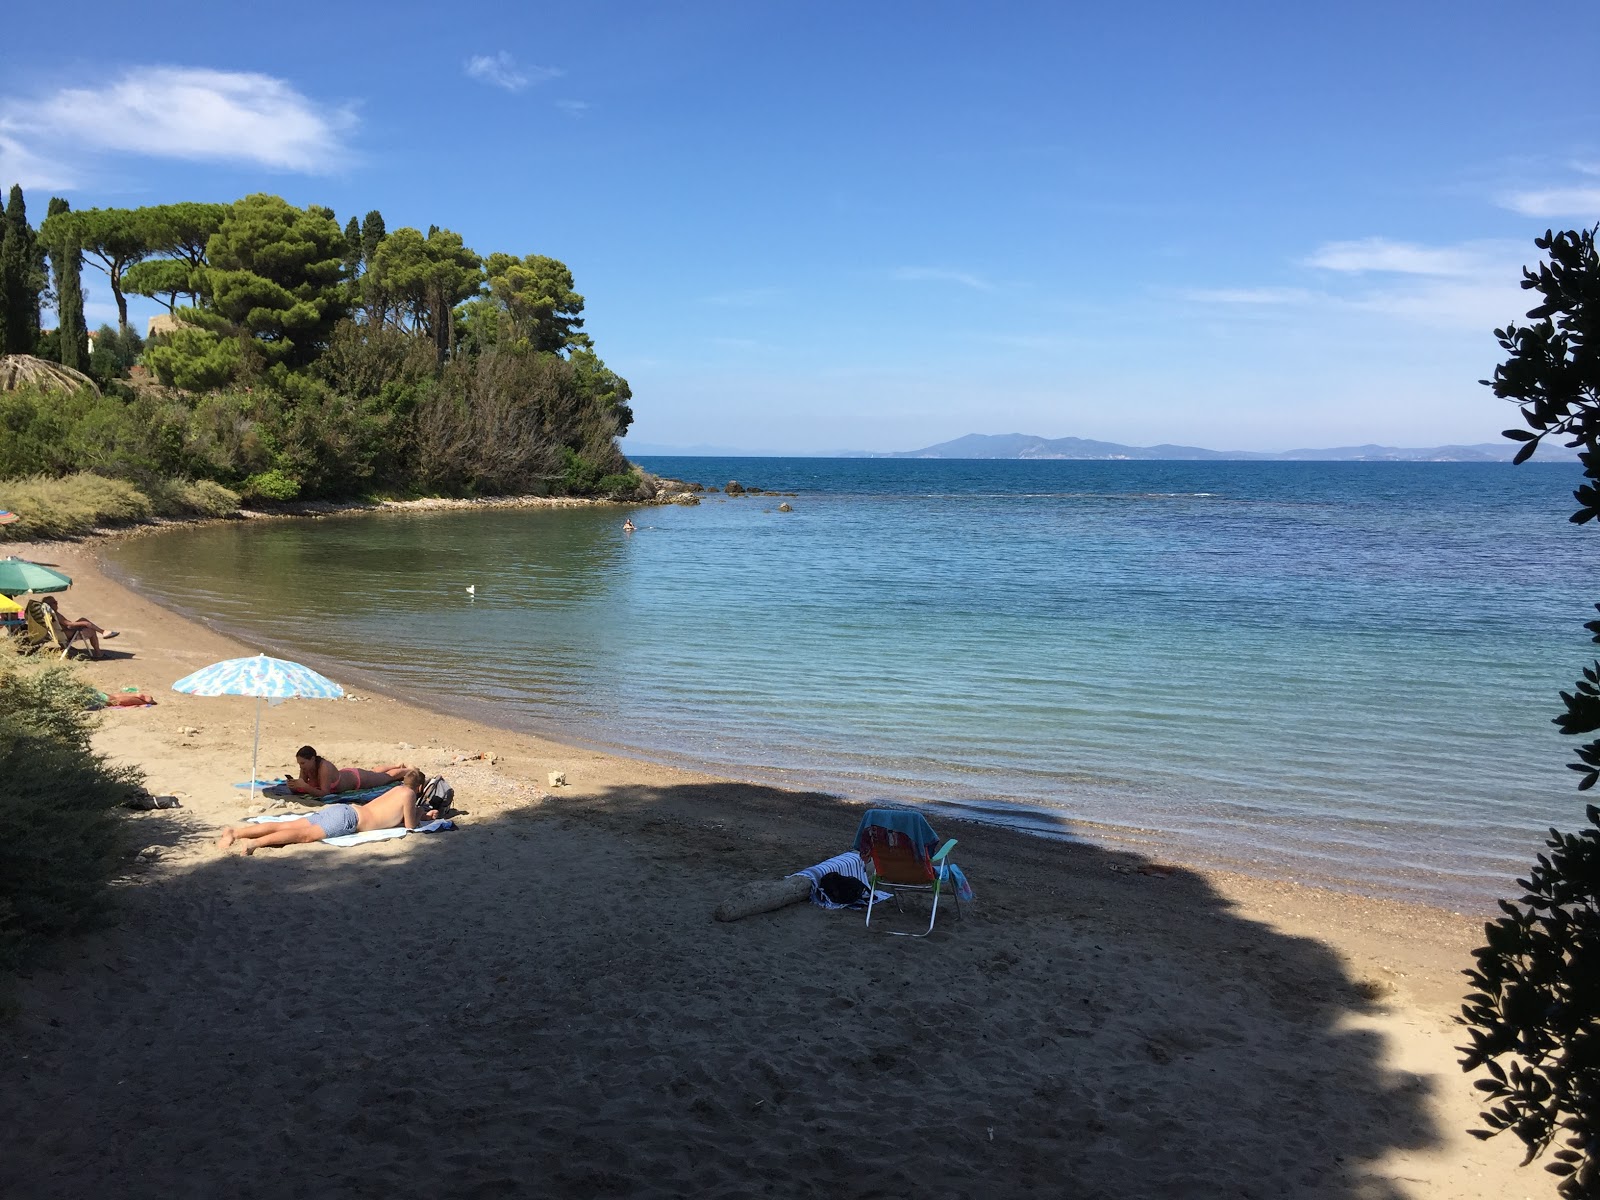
(849, 863)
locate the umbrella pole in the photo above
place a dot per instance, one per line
(255, 751)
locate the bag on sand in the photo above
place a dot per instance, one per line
(842, 889)
(438, 793)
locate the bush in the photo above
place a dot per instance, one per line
(69, 507)
(271, 485)
(63, 840)
(78, 504)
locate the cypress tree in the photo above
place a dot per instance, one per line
(69, 305)
(372, 235)
(20, 284)
(66, 262)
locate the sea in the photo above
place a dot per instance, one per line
(1336, 673)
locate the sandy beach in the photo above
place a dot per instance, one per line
(540, 1003)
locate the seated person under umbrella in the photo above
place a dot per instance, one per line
(401, 806)
(319, 777)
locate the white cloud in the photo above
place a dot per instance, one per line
(939, 275)
(1580, 202)
(575, 108)
(18, 164)
(501, 71)
(1402, 258)
(188, 113)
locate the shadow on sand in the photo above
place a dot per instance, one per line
(541, 1004)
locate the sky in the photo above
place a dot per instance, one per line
(802, 227)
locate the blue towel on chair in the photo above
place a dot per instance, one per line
(915, 826)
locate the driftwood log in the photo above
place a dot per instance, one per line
(763, 896)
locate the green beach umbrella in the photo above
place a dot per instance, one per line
(18, 575)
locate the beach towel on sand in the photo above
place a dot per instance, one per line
(848, 864)
(280, 792)
(358, 839)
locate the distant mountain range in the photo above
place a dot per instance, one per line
(1023, 445)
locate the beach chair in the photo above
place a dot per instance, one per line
(45, 628)
(898, 847)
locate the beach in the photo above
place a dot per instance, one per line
(541, 1003)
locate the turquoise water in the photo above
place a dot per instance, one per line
(1328, 671)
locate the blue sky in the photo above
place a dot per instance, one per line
(815, 226)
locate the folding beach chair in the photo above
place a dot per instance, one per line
(45, 628)
(897, 844)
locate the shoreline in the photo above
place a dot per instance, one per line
(1332, 1008)
(1474, 897)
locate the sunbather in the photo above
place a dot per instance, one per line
(399, 806)
(319, 777)
(89, 628)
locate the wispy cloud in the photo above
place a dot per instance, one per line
(1582, 201)
(188, 113)
(501, 71)
(573, 108)
(1402, 258)
(19, 164)
(940, 275)
(1463, 287)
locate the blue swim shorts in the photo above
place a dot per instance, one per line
(335, 820)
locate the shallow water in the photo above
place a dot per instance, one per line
(1329, 671)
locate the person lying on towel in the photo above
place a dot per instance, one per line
(398, 806)
(319, 777)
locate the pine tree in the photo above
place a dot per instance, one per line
(20, 284)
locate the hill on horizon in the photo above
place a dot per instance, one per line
(1030, 446)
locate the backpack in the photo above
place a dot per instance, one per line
(437, 793)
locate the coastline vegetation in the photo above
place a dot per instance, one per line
(299, 360)
(1533, 1019)
(63, 840)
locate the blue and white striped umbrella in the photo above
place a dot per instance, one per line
(264, 678)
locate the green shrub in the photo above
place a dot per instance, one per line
(271, 485)
(69, 506)
(63, 840)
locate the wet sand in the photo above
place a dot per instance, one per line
(541, 1003)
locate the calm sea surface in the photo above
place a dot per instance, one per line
(1336, 672)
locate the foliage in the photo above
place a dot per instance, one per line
(536, 302)
(74, 505)
(1538, 977)
(196, 360)
(66, 264)
(115, 350)
(21, 279)
(63, 839)
(320, 362)
(112, 239)
(275, 272)
(415, 282)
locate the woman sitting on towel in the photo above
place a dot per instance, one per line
(401, 806)
(319, 777)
